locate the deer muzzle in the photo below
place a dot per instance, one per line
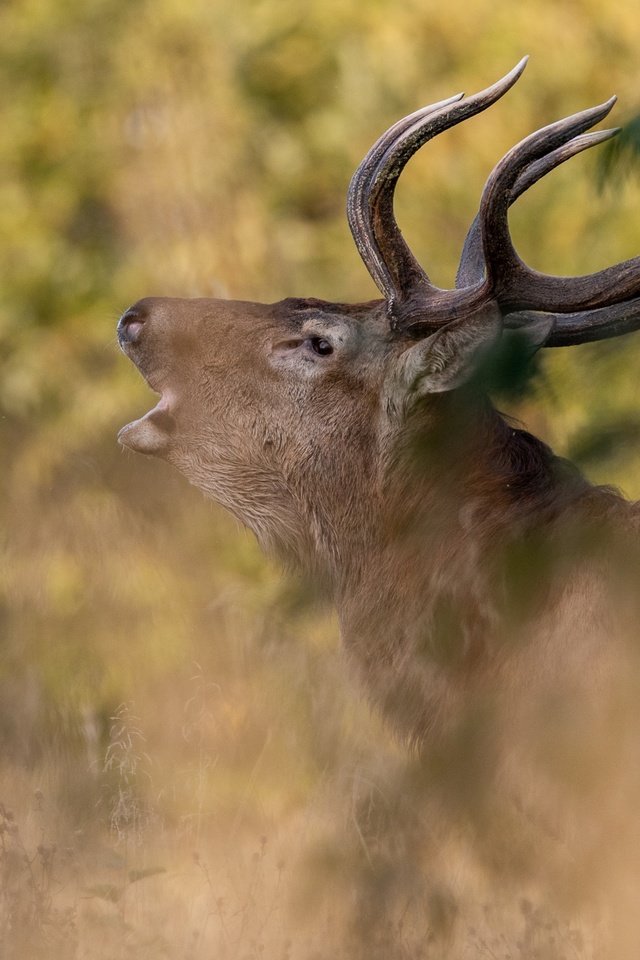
(151, 434)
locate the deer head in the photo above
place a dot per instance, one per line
(292, 414)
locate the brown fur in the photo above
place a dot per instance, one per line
(486, 592)
(411, 519)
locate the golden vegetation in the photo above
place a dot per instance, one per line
(185, 769)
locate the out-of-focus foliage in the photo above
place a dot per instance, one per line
(620, 156)
(163, 147)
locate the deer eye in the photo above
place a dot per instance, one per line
(321, 346)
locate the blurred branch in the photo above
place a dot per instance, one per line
(620, 157)
(599, 443)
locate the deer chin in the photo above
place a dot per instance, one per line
(151, 434)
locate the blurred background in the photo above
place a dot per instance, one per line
(177, 727)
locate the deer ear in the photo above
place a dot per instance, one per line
(463, 349)
(447, 359)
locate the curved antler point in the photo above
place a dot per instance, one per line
(608, 105)
(602, 135)
(520, 66)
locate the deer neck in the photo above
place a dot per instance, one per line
(422, 616)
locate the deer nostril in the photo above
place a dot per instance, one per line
(130, 326)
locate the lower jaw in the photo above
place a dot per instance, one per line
(152, 433)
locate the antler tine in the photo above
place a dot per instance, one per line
(539, 168)
(370, 200)
(502, 261)
(361, 184)
(584, 326)
(518, 286)
(472, 262)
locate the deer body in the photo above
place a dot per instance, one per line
(358, 443)
(408, 514)
(487, 594)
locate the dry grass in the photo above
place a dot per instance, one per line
(362, 868)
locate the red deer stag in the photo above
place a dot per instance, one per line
(469, 565)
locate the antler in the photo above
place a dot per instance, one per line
(603, 304)
(370, 198)
(472, 263)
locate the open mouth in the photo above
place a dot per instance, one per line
(151, 433)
